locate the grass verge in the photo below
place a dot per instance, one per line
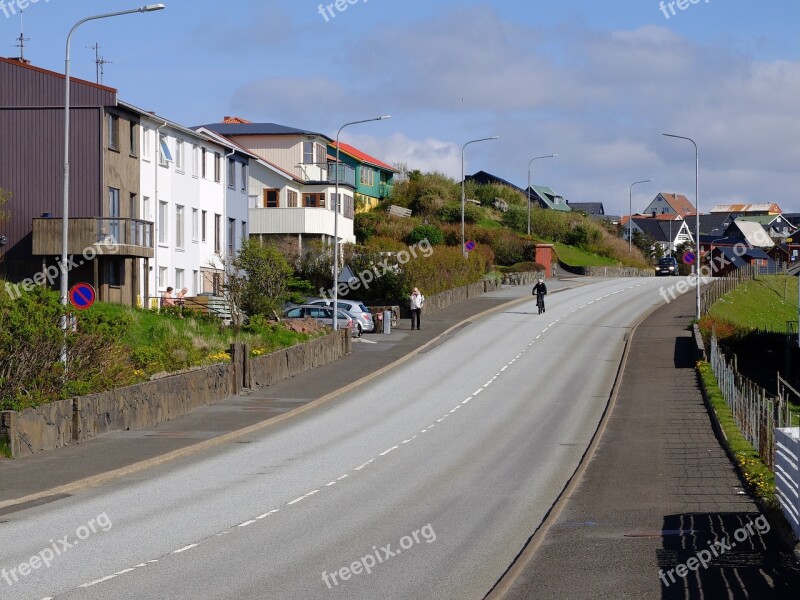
(764, 303)
(760, 480)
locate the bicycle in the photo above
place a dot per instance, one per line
(540, 303)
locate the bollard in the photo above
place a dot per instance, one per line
(387, 321)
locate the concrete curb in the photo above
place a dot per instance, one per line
(521, 561)
(109, 476)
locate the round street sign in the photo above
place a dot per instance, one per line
(688, 258)
(470, 246)
(82, 296)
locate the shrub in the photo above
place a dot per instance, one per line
(451, 213)
(431, 233)
(516, 218)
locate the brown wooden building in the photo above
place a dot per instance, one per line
(111, 246)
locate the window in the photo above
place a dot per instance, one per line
(367, 176)
(113, 213)
(115, 272)
(162, 277)
(134, 206)
(244, 178)
(163, 223)
(272, 198)
(217, 233)
(204, 225)
(347, 208)
(113, 132)
(231, 237)
(314, 200)
(196, 283)
(134, 139)
(322, 154)
(217, 167)
(164, 155)
(179, 155)
(244, 231)
(308, 153)
(231, 174)
(195, 160)
(147, 152)
(179, 280)
(195, 224)
(179, 227)
(291, 198)
(203, 163)
(146, 208)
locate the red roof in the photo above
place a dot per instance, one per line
(363, 156)
(679, 203)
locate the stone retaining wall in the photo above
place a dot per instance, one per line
(61, 423)
(608, 271)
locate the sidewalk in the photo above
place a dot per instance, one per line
(120, 449)
(657, 493)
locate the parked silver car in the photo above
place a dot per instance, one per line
(363, 317)
(324, 315)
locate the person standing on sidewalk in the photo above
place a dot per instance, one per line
(416, 301)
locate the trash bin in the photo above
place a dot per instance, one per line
(387, 321)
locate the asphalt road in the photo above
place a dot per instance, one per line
(432, 478)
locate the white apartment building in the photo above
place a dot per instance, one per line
(194, 189)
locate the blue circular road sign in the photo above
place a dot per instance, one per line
(82, 296)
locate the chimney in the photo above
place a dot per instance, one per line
(654, 213)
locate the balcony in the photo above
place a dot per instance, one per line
(347, 174)
(120, 237)
(298, 221)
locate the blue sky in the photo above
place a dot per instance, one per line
(596, 82)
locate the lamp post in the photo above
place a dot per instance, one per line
(336, 221)
(65, 204)
(529, 185)
(630, 212)
(697, 215)
(463, 193)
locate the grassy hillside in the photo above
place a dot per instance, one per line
(575, 257)
(765, 303)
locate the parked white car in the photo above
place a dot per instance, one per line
(364, 320)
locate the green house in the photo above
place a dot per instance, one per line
(374, 178)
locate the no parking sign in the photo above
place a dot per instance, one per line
(82, 296)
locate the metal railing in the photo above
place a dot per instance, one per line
(756, 412)
(347, 174)
(127, 232)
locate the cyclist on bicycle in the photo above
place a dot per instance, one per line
(539, 290)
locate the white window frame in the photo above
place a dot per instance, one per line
(147, 150)
(163, 223)
(180, 227)
(195, 225)
(180, 279)
(164, 153)
(195, 161)
(162, 277)
(180, 155)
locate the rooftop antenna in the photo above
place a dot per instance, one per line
(100, 63)
(21, 40)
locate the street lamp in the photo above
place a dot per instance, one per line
(463, 193)
(697, 215)
(65, 205)
(336, 222)
(529, 186)
(630, 212)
